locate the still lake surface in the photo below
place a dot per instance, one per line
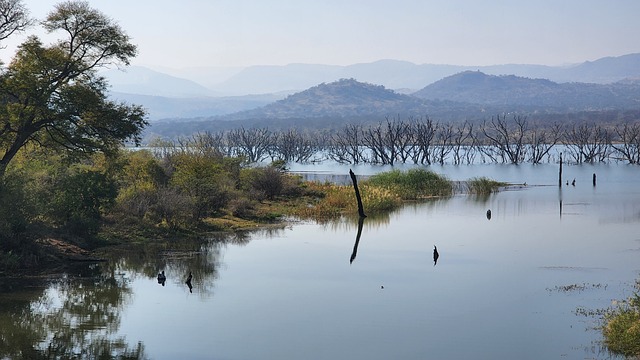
(514, 286)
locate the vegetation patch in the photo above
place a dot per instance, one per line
(326, 201)
(621, 329)
(413, 184)
(484, 186)
(576, 287)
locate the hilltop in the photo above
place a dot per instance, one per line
(326, 106)
(515, 92)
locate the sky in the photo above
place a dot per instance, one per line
(238, 33)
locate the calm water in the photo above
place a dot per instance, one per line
(501, 289)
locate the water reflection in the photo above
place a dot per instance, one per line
(78, 315)
(288, 288)
(72, 318)
(188, 282)
(358, 234)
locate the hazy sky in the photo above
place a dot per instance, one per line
(188, 33)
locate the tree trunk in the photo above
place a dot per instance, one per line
(355, 187)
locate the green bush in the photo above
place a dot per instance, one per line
(622, 329)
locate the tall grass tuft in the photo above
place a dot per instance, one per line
(339, 200)
(622, 329)
(483, 185)
(413, 184)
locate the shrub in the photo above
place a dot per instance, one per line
(622, 329)
(241, 207)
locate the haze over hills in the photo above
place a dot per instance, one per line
(601, 84)
(467, 96)
(513, 91)
(327, 106)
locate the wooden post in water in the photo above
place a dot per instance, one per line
(560, 173)
(594, 179)
(355, 187)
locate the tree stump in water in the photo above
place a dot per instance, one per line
(355, 187)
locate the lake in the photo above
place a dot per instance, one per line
(515, 286)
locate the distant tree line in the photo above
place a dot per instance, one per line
(512, 139)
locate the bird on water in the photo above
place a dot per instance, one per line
(161, 276)
(435, 255)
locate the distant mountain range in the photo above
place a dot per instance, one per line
(515, 92)
(379, 89)
(470, 95)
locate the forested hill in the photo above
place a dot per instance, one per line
(327, 106)
(468, 96)
(348, 98)
(343, 98)
(513, 91)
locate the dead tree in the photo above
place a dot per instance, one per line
(628, 147)
(541, 140)
(252, 144)
(507, 139)
(588, 143)
(462, 142)
(443, 143)
(292, 146)
(358, 198)
(346, 145)
(386, 140)
(423, 134)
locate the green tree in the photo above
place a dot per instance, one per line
(52, 95)
(205, 180)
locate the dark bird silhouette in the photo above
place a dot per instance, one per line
(188, 282)
(435, 255)
(161, 278)
(489, 214)
(573, 183)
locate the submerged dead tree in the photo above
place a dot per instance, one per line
(508, 139)
(345, 145)
(358, 198)
(628, 148)
(588, 143)
(423, 132)
(541, 140)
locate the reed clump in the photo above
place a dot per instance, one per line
(484, 185)
(336, 200)
(413, 184)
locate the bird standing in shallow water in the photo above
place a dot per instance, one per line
(189, 277)
(162, 278)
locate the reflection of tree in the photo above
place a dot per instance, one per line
(79, 318)
(201, 257)
(76, 319)
(354, 253)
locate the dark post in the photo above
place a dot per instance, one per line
(594, 179)
(560, 174)
(355, 187)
